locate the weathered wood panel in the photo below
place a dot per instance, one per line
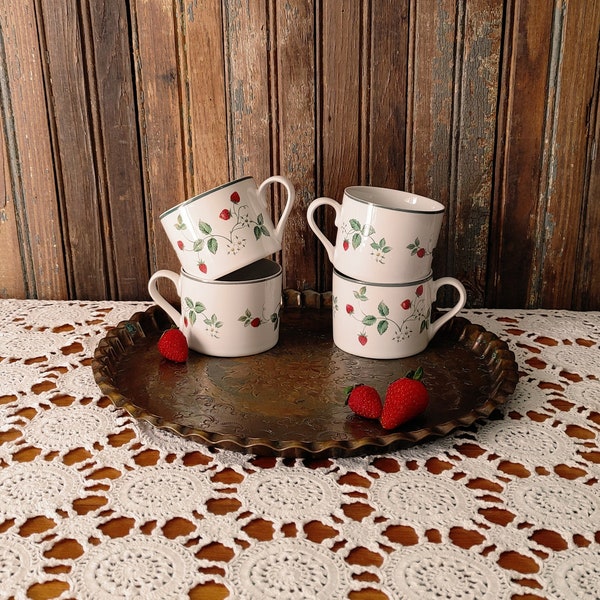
(516, 218)
(115, 129)
(296, 133)
(11, 275)
(430, 110)
(577, 26)
(74, 147)
(158, 106)
(114, 112)
(30, 154)
(340, 57)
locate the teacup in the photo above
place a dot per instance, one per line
(388, 320)
(237, 315)
(383, 235)
(222, 230)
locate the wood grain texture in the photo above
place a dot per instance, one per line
(31, 157)
(296, 133)
(74, 146)
(114, 112)
(116, 133)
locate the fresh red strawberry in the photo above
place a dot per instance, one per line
(173, 345)
(364, 400)
(405, 398)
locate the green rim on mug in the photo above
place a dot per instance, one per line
(261, 270)
(190, 200)
(361, 193)
(388, 285)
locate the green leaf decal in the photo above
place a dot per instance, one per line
(213, 245)
(382, 327)
(189, 303)
(257, 232)
(265, 231)
(383, 309)
(199, 307)
(180, 225)
(260, 219)
(369, 320)
(198, 245)
(204, 227)
(192, 317)
(356, 240)
(355, 225)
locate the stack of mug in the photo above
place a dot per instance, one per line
(230, 292)
(383, 287)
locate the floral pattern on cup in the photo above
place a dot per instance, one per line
(238, 215)
(413, 310)
(250, 320)
(354, 235)
(196, 310)
(418, 250)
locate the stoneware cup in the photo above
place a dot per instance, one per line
(383, 235)
(388, 320)
(237, 315)
(227, 228)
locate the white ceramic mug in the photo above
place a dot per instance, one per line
(227, 228)
(388, 320)
(383, 235)
(237, 315)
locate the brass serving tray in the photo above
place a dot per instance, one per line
(289, 401)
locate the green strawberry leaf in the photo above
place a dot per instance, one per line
(198, 245)
(382, 326)
(383, 309)
(355, 225)
(204, 227)
(356, 240)
(199, 307)
(257, 232)
(213, 245)
(369, 320)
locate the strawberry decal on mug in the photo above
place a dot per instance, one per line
(250, 320)
(233, 241)
(417, 250)
(355, 234)
(413, 314)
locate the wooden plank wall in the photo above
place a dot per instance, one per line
(113, 112)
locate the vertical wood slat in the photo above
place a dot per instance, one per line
(575, 81)
(74, 149)
(587, 288)
(429, 110)
(475, 124)
(124, 228)
(12, 282)
(388, 66)
(29, 155)
(203, 105)
(296, 99)
(248, 89)
(523, 99)
(340, 121)
(158, 106)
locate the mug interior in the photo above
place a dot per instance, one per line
(202, 195)
(394, 199)
(260, 270)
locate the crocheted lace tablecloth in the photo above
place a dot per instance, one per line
(149, 515)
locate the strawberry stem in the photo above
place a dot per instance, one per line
(417, 375)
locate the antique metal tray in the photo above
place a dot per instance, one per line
(290, 400)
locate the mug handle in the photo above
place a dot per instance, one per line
(313, 225)
(158, 298)
(291, 196)
(462, 300)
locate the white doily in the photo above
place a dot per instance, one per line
(112, 507)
